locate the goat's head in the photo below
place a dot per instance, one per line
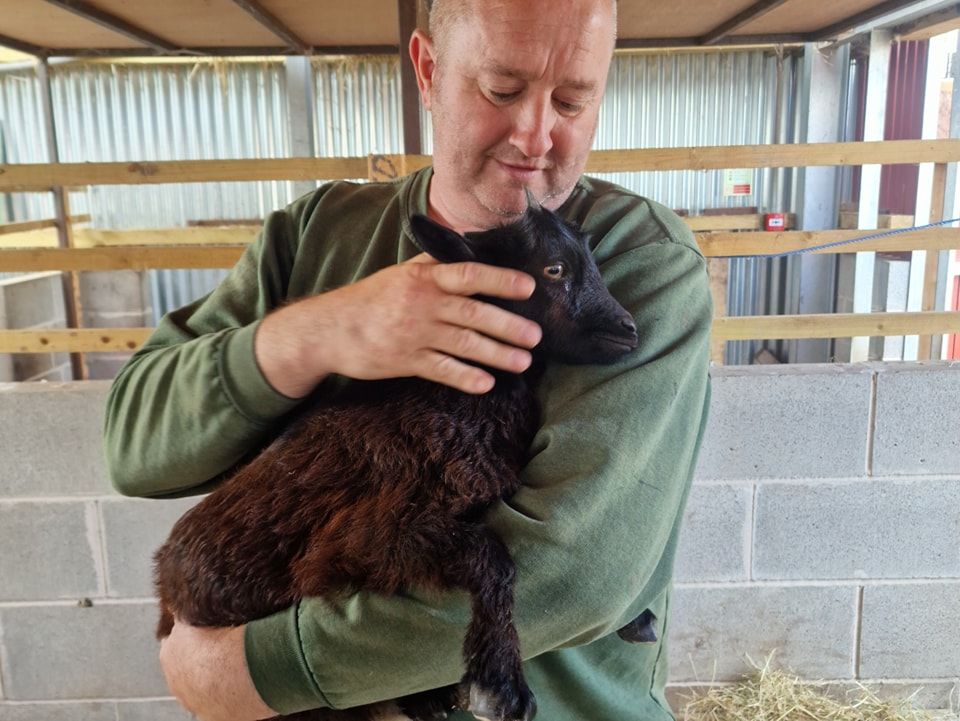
(581, 321)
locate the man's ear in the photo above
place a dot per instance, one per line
(422, 53)
(439, 241)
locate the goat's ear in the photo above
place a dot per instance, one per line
(440, 242)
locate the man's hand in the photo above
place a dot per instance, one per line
(411, 319)
(206, 671)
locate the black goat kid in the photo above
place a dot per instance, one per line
(384, 486)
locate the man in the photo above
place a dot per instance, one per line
(335, 289)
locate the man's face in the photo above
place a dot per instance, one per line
(515, 97)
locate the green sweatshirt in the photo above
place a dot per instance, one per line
(593, 530)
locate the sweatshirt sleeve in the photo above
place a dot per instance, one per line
(605, 486)
(192, 401)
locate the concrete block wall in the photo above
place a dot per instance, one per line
(114, 299)
(824, 526)
(33, 301)
(824, 523)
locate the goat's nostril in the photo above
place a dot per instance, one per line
(628, 325)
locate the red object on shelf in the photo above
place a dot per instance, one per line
(774, 221)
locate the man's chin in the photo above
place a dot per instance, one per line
(510, 199)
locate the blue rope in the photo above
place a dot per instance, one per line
(849, 241)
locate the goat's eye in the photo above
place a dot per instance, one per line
(554, 272)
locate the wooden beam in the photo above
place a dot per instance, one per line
(831, 32)
(221, 247)
(34, 260)
(23, 47)
(409, 91)
(61, 205)
(97, 238)
(91, 340)
(750, 244)
(932, 263)
(89, 12)
(794, 155)
(73, 340)
(42, 238)
(719, 271)
(834, 325)
(755, 11)
(705, 223)
(274, 25)
(384, 168)
(928, 26)
(27, 177)
(9, 228)
(199, 236)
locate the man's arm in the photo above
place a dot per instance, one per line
(606, 483)
(192, 402)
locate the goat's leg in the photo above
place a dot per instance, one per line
(493, 687)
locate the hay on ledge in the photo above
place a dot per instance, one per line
(772, 695)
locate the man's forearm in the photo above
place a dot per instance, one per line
(206, 671)
(281, 353)
(184, 411)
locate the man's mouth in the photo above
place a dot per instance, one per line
(521, 172)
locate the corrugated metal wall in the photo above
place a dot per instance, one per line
(141, 111)
(358, 107)
(120, 112)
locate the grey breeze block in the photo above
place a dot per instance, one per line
(787, 422)
(918, 420)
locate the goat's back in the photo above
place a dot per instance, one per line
(354, 494)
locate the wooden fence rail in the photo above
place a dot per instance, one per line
(205, 248)
(40, 177)
(98, 250)
(839, 325)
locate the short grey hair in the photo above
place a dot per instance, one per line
(441, 14)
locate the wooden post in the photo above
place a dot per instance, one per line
(71, 285)
(932, 265)
(409, 91)
(718, 269)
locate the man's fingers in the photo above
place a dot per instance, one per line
(490, 321)
(478, 278)
(422, 258)
(470, 345)
(441, 368)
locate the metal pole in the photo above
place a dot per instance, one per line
(874, 124)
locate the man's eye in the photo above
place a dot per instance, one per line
(502, 97)
(568, 107)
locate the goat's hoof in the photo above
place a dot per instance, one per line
(506, 701)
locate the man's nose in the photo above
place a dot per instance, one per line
(532, 128)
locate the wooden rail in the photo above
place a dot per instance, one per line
(210, 247)
(11, 228)
(840, 325)
(38, 177)
(40, 234)
(834, 325)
